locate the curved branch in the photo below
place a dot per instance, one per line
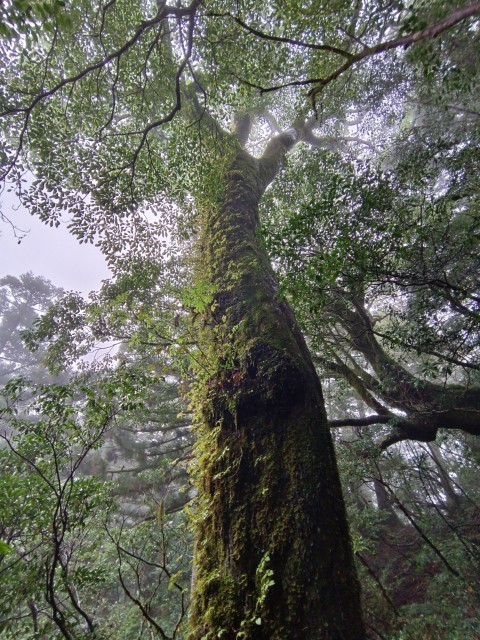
(112, 57)
(432, 352)
(458, 15)
(291, 41)
(402, 429)
(273, 157)
(361, 422)
(357, 385)
(140, 605)
(332, 142)
(242, 126)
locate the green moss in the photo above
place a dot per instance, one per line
(264, 455)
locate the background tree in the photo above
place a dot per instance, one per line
(22, 301)
(75, 537)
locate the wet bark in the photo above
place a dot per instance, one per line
(428, 406)
(273, 555)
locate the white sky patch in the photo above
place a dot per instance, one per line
(48, 251)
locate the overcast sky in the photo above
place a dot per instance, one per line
(50, 252)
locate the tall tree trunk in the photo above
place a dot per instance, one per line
(273, 555)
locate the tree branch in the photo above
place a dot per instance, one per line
(291, 41)
(361, 422)
(357, 385)
(458, 15)
(145, 26)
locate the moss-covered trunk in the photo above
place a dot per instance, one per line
(273, 557)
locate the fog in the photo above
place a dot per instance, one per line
(47, 251)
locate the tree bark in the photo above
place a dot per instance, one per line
(273, 557)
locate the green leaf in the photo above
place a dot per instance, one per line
(5, 548)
